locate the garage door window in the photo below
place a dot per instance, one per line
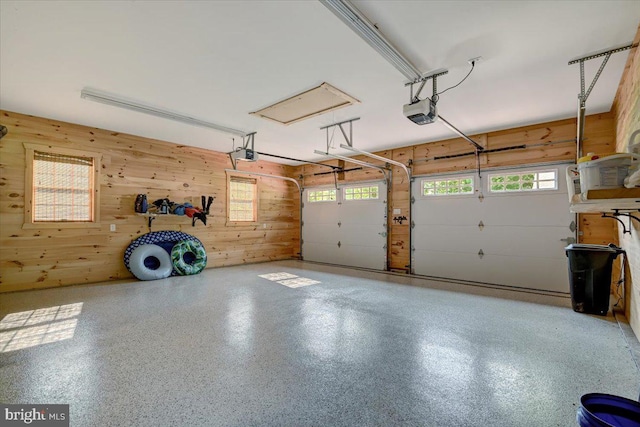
(448, 187)
(328, 195)
(523, 181)
(368, 192)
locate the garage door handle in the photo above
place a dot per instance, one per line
(383, 234)
(569, 240)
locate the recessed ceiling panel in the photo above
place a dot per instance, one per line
(310, 103)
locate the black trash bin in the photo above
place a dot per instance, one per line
(590, 276)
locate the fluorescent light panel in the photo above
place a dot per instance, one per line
(351, 16)
(310, 103)
(114, 101)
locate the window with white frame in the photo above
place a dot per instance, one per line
(508, 182)
(448, 186)
(366, 192)
(325, 195)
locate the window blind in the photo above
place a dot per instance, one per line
(63, 187)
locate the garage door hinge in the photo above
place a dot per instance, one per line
(301, 242)
(302, 204)
(480, 253)
(481, 225)
(413, 224)
(413, 199)
(572, 226)
(301, 223)
(339, 224)
(383, 234)
(481, 197)
(339, 244)
(384, 247)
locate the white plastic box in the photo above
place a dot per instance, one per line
(605, 173)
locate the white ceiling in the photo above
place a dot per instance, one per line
(220, 60)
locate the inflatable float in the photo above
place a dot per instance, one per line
(160, 254)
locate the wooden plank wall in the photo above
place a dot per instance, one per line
(39, 258)
(545, 142)
(626, 110)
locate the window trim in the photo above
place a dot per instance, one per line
(256, 204)
(448, 178)
(524, 172)
(29, 223)
(364, 185)
(309, 190)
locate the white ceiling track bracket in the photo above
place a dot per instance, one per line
(382, 159)
(583, 95)
(348, 138)
(354, 161)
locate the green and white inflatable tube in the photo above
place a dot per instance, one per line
(188, 257)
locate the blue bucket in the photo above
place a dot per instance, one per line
(606, 410)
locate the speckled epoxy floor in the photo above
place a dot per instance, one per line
(230, 348)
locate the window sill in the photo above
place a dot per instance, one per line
(242, 223)
(65, 224)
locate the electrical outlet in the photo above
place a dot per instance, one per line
(397, 211)
(112, 227)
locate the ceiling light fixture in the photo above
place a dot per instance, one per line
(359, 23)
(114, 101)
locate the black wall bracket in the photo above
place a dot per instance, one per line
(616, 214)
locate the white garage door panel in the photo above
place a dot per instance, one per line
(507, 240)
(351, 211)
(537, 209)
(362, 256)
(322, 252)
(322, 233)
(322, 212)
(493, 269)
(541, 242)
(361, 235)
(448, 238)
(358, 225)
(450, 212)
(520, 238)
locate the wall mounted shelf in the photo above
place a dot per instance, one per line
(606, 201)
(615, 203)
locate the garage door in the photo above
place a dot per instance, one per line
(346, 226)
(513, 236)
